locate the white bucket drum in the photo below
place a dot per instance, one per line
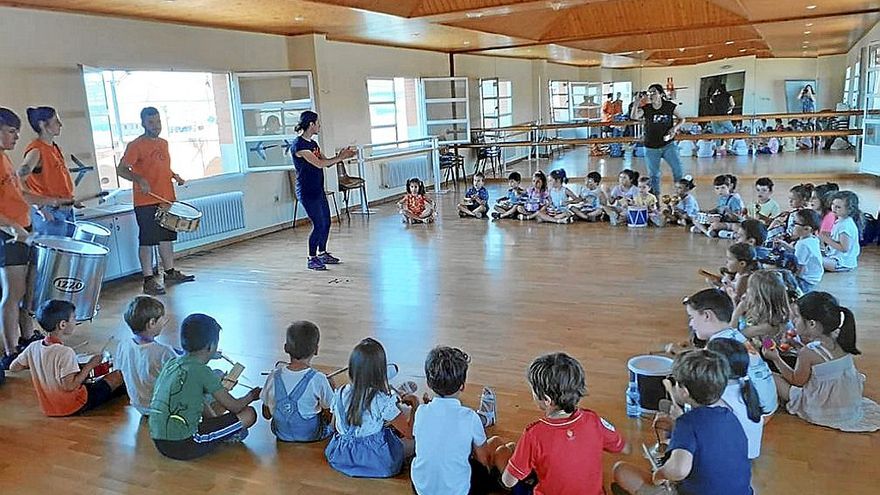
(637, 216)
(69, 270)
(648, 372)
(92, 232)
(179, 217)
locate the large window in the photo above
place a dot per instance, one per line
(267, 106)
(560, 101)
(496, 103)
(194, 107)
(394, 109)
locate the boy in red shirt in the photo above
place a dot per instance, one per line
(564, 448)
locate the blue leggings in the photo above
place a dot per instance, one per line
(319, 213)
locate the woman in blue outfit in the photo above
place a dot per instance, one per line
(662, 121)
(808, 99)
(310, 165)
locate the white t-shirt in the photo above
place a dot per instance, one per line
(759, 371)
(705, 148)
(686, 148)
(140, 365)
(739, 147)
(446, 432)
(846, 259)
(382, 410)
(809, 255)
(754, 431)
(315, 397)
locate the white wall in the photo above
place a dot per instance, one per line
(872, 36)
(39, 67)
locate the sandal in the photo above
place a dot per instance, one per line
(487, 411)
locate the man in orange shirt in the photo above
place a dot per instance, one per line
(147, 164)
(15, 253)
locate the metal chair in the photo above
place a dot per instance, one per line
(450, 165)
(349, 183)
(490, 155)
(291, 177)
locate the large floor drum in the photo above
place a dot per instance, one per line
(70, 270)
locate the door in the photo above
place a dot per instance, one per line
(445, 107)
(871, 123)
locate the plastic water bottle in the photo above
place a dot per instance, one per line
(633, 409)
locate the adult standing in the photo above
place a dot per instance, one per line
(15, 253)
(617, 105)
(662, 121)
(310, 165)
(808, 99)
(722, 103)
(46, 174)
(147, 164)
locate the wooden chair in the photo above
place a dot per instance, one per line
(291, 177)
(348, 183)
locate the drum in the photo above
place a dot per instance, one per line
(648, 372)
(70, 270)
(92, 232)
(179, 217)
(701, 218)
(637, 216)
(102, 369)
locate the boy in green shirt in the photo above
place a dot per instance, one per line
(177, 424)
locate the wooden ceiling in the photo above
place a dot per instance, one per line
(610, 33)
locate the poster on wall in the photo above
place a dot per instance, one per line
(800, 95)
(711, 87)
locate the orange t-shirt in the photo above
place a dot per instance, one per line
(53, 179)
(149, 159)
(12, 203)
(49, 361)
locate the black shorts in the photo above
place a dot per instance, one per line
(99, 393)
(212, 431)
(13, 253)
(150, 233)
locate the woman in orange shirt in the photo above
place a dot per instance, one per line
(45, 174)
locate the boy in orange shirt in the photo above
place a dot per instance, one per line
(147, 164)
(58, 380)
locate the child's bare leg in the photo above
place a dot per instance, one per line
(409, 447)
(114, 379)
(465, 210)
(783, 388)
(247, 416)
(508, 213)
(502, 456)
(630, 477)
(481, 211)
(580, 214)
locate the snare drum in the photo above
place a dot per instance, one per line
(179, 217)
(637, 216)
(92, 232)
(102, 369)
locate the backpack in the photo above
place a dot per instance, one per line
(871, 231)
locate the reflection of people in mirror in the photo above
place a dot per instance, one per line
(808, 99)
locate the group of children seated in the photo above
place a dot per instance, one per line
(707, 147)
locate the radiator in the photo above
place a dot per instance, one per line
(395, 173)
(221, 213)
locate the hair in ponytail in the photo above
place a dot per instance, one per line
(559, 174)
(738, 358)
(823, 308)
(35, 115)
(306, 119)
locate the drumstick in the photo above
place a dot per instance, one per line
(228, 360)
(77, 346)
(160, 198)
(337, 372)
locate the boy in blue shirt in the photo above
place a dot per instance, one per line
(708, 450)
(506, 205)
(476, 199)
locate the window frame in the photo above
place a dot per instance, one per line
(370, 105)
(238, 108)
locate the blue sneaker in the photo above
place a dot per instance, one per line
(328, 259)
(316, 264)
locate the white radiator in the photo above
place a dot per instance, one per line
(221, 213)
(395, 173)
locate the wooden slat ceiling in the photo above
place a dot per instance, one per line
(610, 33)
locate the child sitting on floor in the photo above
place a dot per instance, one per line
(557, 210)
(366, 415)
(644, 199)
(765, 208)
(59, 382)
(820, 201)
(807, 249)
(751, 232)
(740, 265)
(416, 206)
(686, 207)
(708, 448)
(591, 197)
(452, 455)
(763, 310)
(798, 197)
(728, 207)
(476, 199)
(141, 357)
(564, 448)
(618, 199)
(536, 198)
(825, 388)
(296, 398)
(506, 205)
(178, 424)
(842, 254)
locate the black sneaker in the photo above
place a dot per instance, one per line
(6, 361)
(153, 287)
(175, 275)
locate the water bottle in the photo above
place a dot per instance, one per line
(633, 409)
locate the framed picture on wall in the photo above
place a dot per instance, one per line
(801, 95)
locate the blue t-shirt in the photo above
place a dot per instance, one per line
(731, 204)
(481, 193)
(720, 449)
(309, 178)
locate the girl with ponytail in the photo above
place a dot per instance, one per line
(740, 396)
(825, 388)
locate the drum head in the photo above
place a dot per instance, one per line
(92, 228)
(650, 365)
(70, 246)
(184, 210)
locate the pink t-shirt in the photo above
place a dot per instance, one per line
(827, 223)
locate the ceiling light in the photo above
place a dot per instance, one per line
(811, 7)
(806, 42)
(681, 49)
(641, 51)
(710, 55)
(728, 42)
(742, 50)
(299, 18)
(807, 32)
(809, 24)
(474, 15)
(670, 60)
(467, 42)
(556, 5)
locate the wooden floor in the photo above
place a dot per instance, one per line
(503, 291)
